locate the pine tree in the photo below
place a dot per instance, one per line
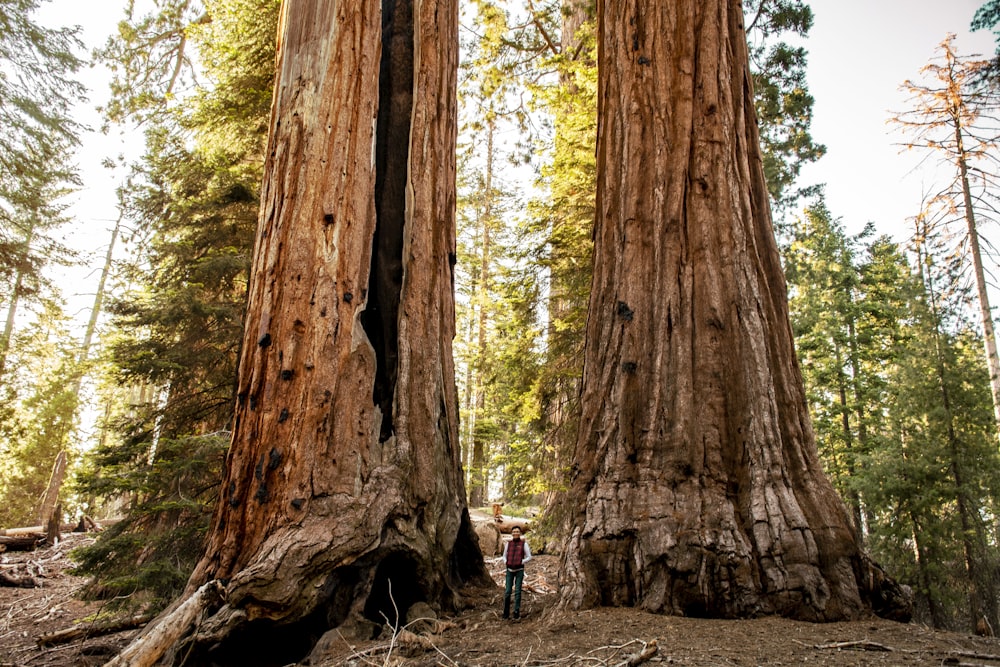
(175, 334)
(953, 117)
(846, 308)
(781, 96)
(37, 134)
(39, 398)
(496, 361)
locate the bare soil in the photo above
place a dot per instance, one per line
(478, 636)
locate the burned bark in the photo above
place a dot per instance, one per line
(697, 487)
(343, 479)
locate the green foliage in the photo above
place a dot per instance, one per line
(847, 299)
(37, 92)
(39, 398)
(150, 58)
(37, 134)
(901, 408)
(782, 99)
(171, 484)
(176, 332)
(988, 17)
(498, 292)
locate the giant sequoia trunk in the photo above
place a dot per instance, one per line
(697, 486)
(343, 497)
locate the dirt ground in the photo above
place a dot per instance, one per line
(478, 637)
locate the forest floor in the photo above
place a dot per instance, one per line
(478, 636)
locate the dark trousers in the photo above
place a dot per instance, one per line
(514, 580)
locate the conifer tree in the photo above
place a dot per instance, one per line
(193, 203)
(953, 118)
(496, 359)
(944, 424)
(37, 133)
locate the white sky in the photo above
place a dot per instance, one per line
(860, 52)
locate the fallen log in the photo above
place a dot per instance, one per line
(22, 542)
(87, 630)
(8, 581)
(31, 530)
(505, 525)
(171, 626)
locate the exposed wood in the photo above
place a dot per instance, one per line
(86, 630)
(490, 542)
(977, 656)
(50, 499)
(151, 646)
(52, 532)
(647, 653)
(505, 525)
(63, 527)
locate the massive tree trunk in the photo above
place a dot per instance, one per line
(697, 486)
(343, 498)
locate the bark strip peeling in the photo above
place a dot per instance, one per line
(380, 318)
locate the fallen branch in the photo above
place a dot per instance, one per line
(977, 656)
(860, 645)
(150, 647)
(84, 631)
(648, 651)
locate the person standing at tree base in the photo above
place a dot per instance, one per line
(515, 554)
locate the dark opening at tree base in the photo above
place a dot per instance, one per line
(393, 592)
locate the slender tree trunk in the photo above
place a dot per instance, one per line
(697, 487)
(922, 551)
(95, 311)
(15, 297)
(864, 512)
(853, 497)
(480, 476)
(986, 313)
(924, 576)
(343, 499)
(982, 601)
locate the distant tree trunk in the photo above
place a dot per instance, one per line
(479, 483)
(985, 311)
(15, 296)
(697, 486)
(982, 591)
(850, 449)
(343, 499)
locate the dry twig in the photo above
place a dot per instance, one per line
(860, 645)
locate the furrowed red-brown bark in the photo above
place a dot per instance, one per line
(343, 479)
(697, 486)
